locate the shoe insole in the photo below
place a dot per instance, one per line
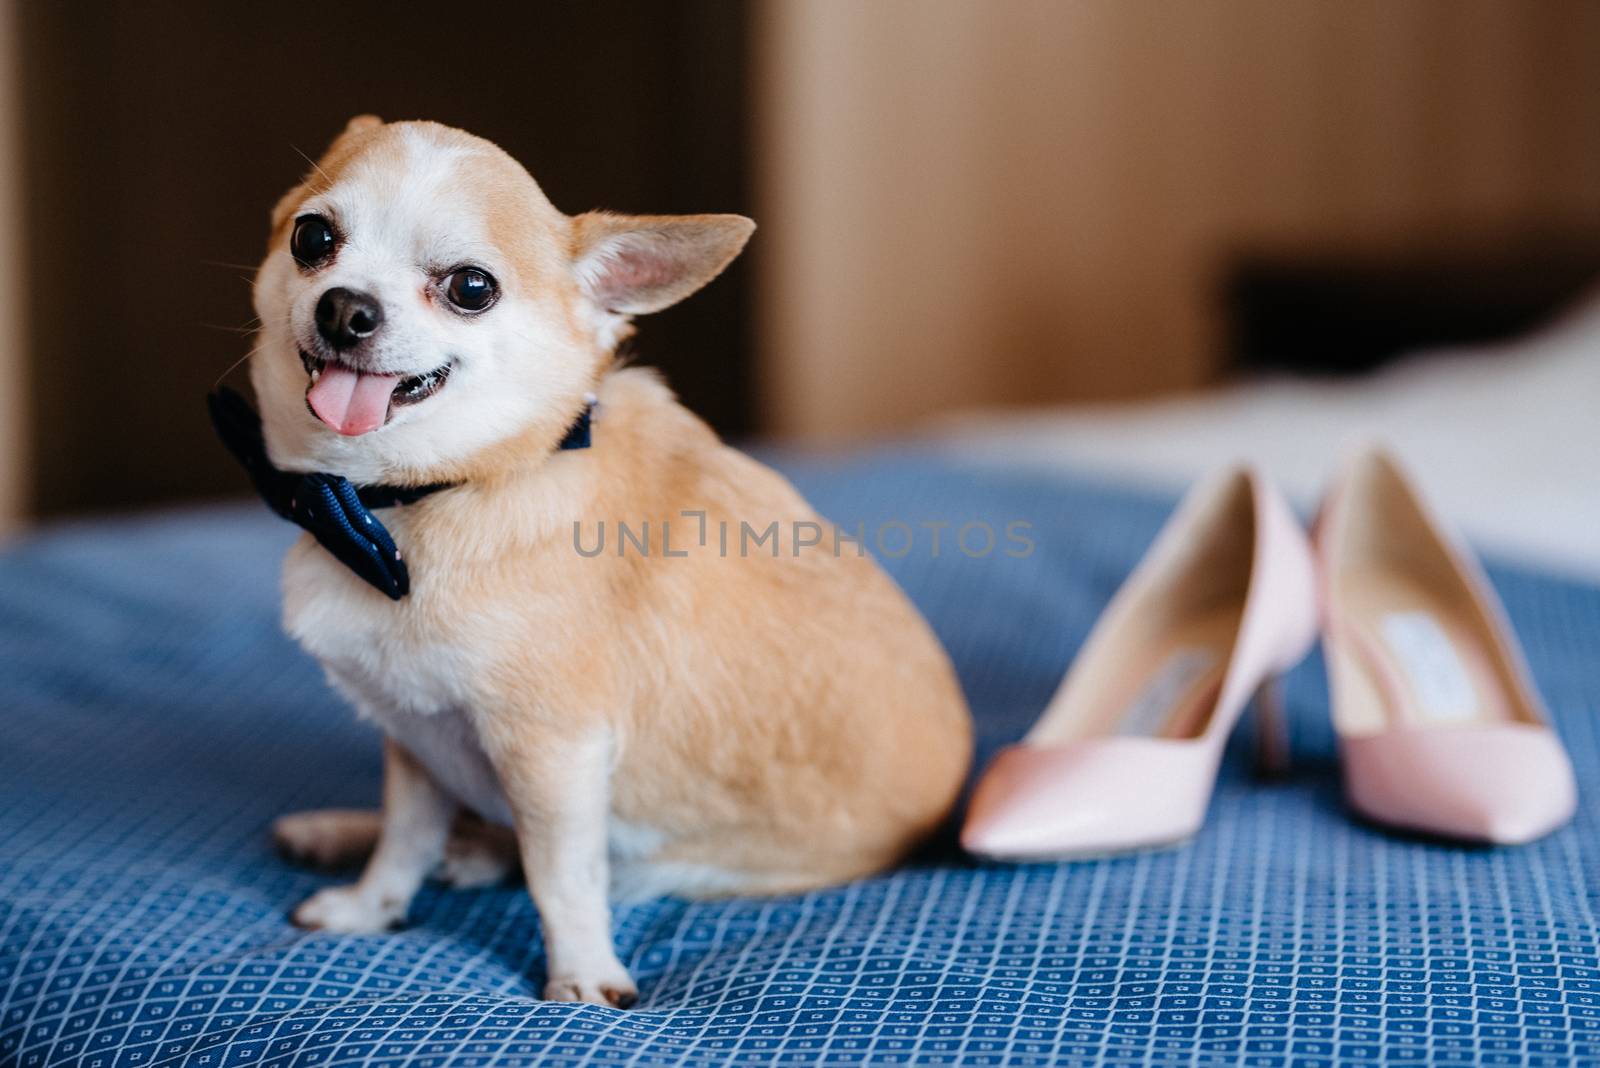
(1409, 658)
(1166, 690)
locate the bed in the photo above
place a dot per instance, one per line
(153, 720)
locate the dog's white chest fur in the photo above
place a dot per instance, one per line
(447, 745)
(413, 685)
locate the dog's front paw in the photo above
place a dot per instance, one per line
(347, 910)
(613, 987)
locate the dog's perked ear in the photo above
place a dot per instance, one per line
(358, 124)
(637, 264)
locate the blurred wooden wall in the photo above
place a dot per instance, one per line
(13, 363)
(1031, 201)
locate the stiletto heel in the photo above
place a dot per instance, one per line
(1126, 755)
(1273, 755)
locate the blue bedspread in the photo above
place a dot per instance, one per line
(153, 720)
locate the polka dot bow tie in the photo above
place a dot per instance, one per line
(329, 507)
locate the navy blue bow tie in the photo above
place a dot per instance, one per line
(335, 512)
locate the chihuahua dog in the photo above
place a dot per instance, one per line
(688, 710)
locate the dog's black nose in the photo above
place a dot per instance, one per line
(345, 318)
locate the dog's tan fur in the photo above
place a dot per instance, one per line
(701, 723)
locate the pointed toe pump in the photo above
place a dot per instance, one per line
(1126, 754)
(1440, 728)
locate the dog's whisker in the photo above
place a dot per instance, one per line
(326, 177)
(235, 365)
(229, 266)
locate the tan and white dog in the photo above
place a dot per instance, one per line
(697, 718)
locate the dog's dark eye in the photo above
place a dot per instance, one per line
(312, 241)
(470, 289)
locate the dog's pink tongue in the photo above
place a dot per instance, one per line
(349, 401)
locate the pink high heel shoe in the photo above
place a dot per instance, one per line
(1440, 727)
(1126, 755)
